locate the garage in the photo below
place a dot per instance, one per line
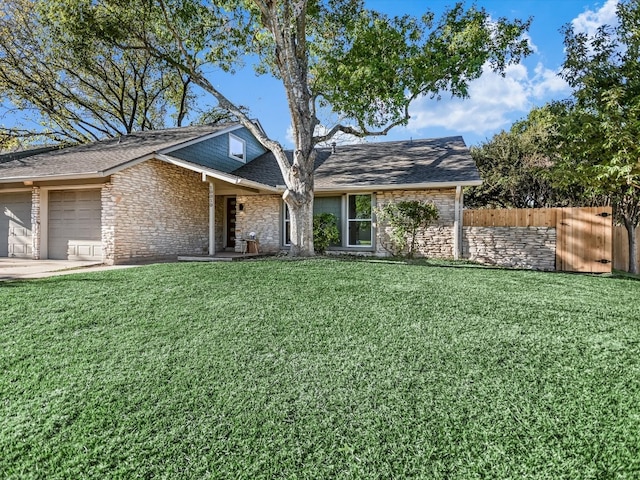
(15, 225)
(75, 225)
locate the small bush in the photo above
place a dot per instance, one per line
(325, 231)
(405, 219)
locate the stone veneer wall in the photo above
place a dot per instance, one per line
(515, 247)
(434, 241)
(261, 214)
(35, 223)
(154, 210)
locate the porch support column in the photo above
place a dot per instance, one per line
(212, 219)
(457, 225)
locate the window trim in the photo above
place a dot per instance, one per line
(243, 142)
(348, 221)
(344, 204)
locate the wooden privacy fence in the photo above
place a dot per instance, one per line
(621, 248)
(583, 235)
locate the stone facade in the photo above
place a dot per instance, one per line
(154, 210)
(514, 247)
(35, 223)
(108, 223)
(261, 214)
(434, 241)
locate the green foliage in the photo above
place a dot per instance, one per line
(80, 89)
(519, 167)
(332, 370)
(325, 231)
(600, 126)
(406, 218)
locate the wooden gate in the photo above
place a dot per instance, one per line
(583, 234)
(584, 239)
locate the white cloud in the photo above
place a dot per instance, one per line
(589, 21)
(493, 100)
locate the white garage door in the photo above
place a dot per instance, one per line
(15, 225)
(75, 225)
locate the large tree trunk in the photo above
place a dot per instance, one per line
(299, 199)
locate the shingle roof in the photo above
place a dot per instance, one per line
(440, 160)
(389, 164)
(100, 156)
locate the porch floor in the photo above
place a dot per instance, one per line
(218, 257)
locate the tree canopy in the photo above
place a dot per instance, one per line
(65, 90)
(600, 125)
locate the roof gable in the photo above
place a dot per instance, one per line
(213, 152)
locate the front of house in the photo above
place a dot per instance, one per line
(198, 190)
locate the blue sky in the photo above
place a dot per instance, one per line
(494, 103)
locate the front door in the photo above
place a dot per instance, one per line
(231, 222)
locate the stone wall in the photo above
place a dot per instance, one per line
(36, 228)
(261, 214)
(154, 210)
(515, 247)
(434, 241)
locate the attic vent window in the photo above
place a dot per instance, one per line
(237, 148)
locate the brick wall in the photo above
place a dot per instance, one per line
(261, 214)
(434, 241)
(154, 210)
(515, 247)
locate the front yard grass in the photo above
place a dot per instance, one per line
(319, 369)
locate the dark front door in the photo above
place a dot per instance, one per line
(231, 222)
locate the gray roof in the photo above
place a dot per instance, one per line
(441, 160)
(386, 164)
(100, 156)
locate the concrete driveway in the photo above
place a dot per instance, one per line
(22, 269)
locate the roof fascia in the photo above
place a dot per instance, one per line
(400, 186)
(45, 178)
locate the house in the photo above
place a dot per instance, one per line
(195, 190)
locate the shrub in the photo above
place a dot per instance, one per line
(405, 219)
(325, 231)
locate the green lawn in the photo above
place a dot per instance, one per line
(320, 369)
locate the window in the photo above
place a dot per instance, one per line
(287, 225)
(237, 147)
(359, 220)
(353, 212)
(332, 205)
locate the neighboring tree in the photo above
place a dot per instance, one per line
(519, 167)
(600, 125)
(405, 219)
(325, 231)
(515, 166)
(64, 92)
(363, 65)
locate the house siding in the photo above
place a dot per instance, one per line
(154, 210)
(261, 214)
(434, 241)
(214, 152)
